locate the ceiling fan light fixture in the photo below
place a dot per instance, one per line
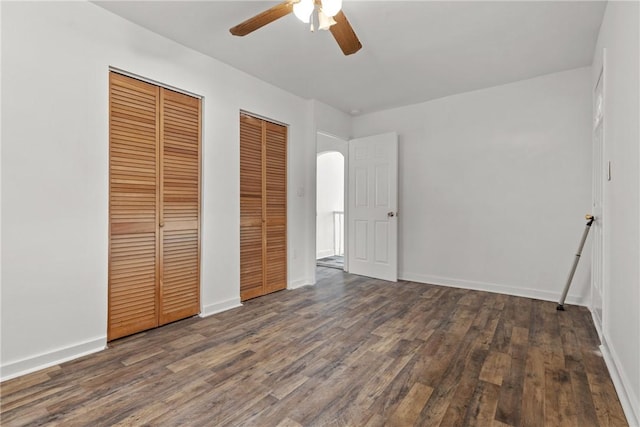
(331, 7)
(303, 10)
(324, 21)
(340, 28)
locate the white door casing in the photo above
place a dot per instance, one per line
(373, 206)
(599, 167)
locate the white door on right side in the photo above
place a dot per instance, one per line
(373, 206)
(598, 166)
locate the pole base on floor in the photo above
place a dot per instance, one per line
(560, 307)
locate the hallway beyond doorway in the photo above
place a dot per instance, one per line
(334, 261)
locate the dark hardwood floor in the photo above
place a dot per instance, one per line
(350, 351)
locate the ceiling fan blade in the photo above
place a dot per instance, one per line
(262, 19)
(344, 35)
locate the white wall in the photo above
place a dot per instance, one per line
(494, 185)
(330, 121)
(620, 35)
(330, 198)
(55, 59)
(330, 143)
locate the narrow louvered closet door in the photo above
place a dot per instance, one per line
(133, 206)
(180, 206)
(263, 207)
(276, 202)
(251, 207)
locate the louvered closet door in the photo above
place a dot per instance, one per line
(133, 206)
(180, 206)
(263, 207)
(154, 206)
(251, 207)
(276, 202)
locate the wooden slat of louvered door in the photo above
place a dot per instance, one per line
(276, 215)
(133, 206)
(180, 206)
(251, 208)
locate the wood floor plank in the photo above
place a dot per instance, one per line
(358, 410)
(407, 412)
(602, 391)
(495, 367)
(533, 389)
(336, 411)
(288, 422)
(481, 409)
(509, 409)
(558, 396)
(350, 351)
(288, 386)
(458, 407)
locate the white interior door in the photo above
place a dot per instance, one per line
(373, 206)
(597, 265)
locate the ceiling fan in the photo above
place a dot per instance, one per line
(329, 17)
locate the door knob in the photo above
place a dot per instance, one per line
(391, 214)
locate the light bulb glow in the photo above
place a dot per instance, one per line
(303, 10)
(331, 7)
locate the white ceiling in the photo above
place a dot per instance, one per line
(413, 51)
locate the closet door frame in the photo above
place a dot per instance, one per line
(265, 121)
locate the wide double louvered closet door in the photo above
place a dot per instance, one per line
(263, 207)
(154, 206)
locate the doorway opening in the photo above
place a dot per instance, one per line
(330, 210)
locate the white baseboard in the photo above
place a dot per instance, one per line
(325, 253)
(596, 322)
(300, 283)
(218, 307)
(628, 399)
(492, 287)
(51, 358)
